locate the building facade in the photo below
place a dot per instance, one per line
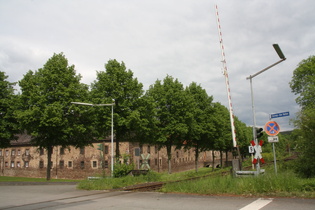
(24, 160)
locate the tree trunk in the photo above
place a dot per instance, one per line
(117, 151)
(213, 158)
(169, 158)
(49, 152)
(226, 157)
(196, 158)
(221, 159)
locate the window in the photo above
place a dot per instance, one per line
(12, 164)
(137, 152)
(7, 153)
(27, 152)
(94, 164)
(41, 151)
(13, 152)
(106, 149)
(156, 161)
(41, 164)
(82, 150)
(0, 152)
(141, 150)
(18, 152)
(62, 151)
(18, 164)
(82, 164)
(149, 149)
(61, 164)
(106, 164)
(26, 164)
(6, 164)
(69, 164)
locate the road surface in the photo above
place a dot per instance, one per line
(68, 197)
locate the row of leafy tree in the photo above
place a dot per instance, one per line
(167, 114)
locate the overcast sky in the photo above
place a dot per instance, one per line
(168, 37)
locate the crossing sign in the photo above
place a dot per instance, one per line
(272, 128)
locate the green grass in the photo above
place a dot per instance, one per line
(191, 174)
(26, 179)
(114, 183)
(284, 184)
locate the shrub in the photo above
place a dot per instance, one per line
(121, 170)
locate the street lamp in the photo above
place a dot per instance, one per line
(250, 77)
(112, 128)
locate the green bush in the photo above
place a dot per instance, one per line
(121, 170)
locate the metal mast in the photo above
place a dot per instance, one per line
(225, 73)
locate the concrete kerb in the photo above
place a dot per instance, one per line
(36, 183)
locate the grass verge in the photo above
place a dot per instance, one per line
(285, 184)
(114, 183)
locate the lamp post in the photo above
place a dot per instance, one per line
(250, 77)
(112, 128)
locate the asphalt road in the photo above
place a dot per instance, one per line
(68, 197)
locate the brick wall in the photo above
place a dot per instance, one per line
(79, 163)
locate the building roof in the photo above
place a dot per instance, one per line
(25, 140)
(22, 139)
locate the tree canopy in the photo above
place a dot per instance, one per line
(117, 83)
(173, 111)
(201, 133)
(8, 124)
(47, 113)
(167, 115)
(303, 84)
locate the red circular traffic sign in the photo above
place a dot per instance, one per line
(272, 128)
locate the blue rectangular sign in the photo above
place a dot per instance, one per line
(283, 114)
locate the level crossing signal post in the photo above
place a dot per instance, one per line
(250, 78)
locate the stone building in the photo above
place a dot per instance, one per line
(24, 160)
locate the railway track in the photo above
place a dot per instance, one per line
(144, 187)
(154, 186)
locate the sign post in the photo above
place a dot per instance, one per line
(272, 129)
(251, 150)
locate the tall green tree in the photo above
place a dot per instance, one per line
(303, 85)
(223, 136)
(47, 113)
(303, 82)
(117, 83)
(173, 113)
(201, 131)
(244, 135)
(8, 124)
